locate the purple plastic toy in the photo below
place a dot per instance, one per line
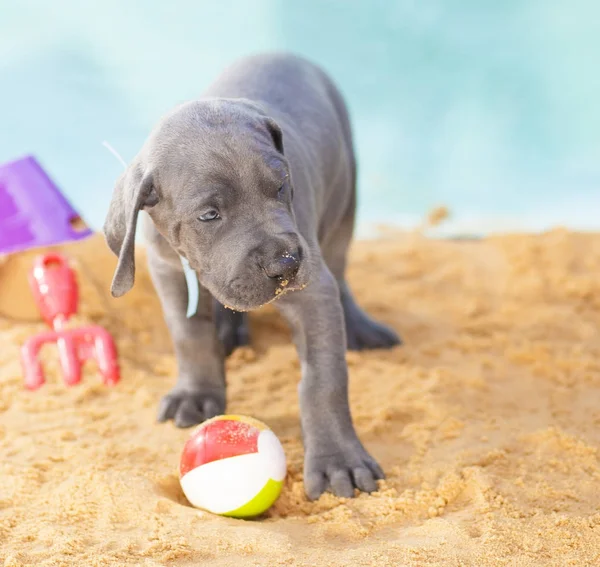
(33, 212)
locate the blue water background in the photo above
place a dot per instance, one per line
(489, 107)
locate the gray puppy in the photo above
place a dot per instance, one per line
(254, 184)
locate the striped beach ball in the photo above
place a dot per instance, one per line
(232, 465)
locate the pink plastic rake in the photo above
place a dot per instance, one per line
(55, 292)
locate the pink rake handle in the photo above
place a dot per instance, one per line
(55, 291)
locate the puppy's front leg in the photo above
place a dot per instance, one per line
(199, 393)
(334, 456)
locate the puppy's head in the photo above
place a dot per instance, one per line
(215, 181)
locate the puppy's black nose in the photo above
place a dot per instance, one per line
(284, 267)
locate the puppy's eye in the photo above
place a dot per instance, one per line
(210, 215)
(283, 187)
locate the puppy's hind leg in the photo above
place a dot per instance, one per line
(362, 332)
(233, 329)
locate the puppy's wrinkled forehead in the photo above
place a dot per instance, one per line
(214, 146)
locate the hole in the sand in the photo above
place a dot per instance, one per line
(170, 488)
(77, 224)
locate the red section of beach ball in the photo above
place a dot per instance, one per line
(219, 438)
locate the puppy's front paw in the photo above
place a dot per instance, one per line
(188, 407)
(341, 472)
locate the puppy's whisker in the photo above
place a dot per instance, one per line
(115, 153)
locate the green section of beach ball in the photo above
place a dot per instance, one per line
(260, 503)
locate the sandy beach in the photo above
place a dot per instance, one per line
(486, 420)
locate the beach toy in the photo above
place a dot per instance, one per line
(232, 466)
(55, 293)
(33, 212)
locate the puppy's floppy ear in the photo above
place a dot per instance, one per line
(133, 191)
(273, 129)
(276, 133)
